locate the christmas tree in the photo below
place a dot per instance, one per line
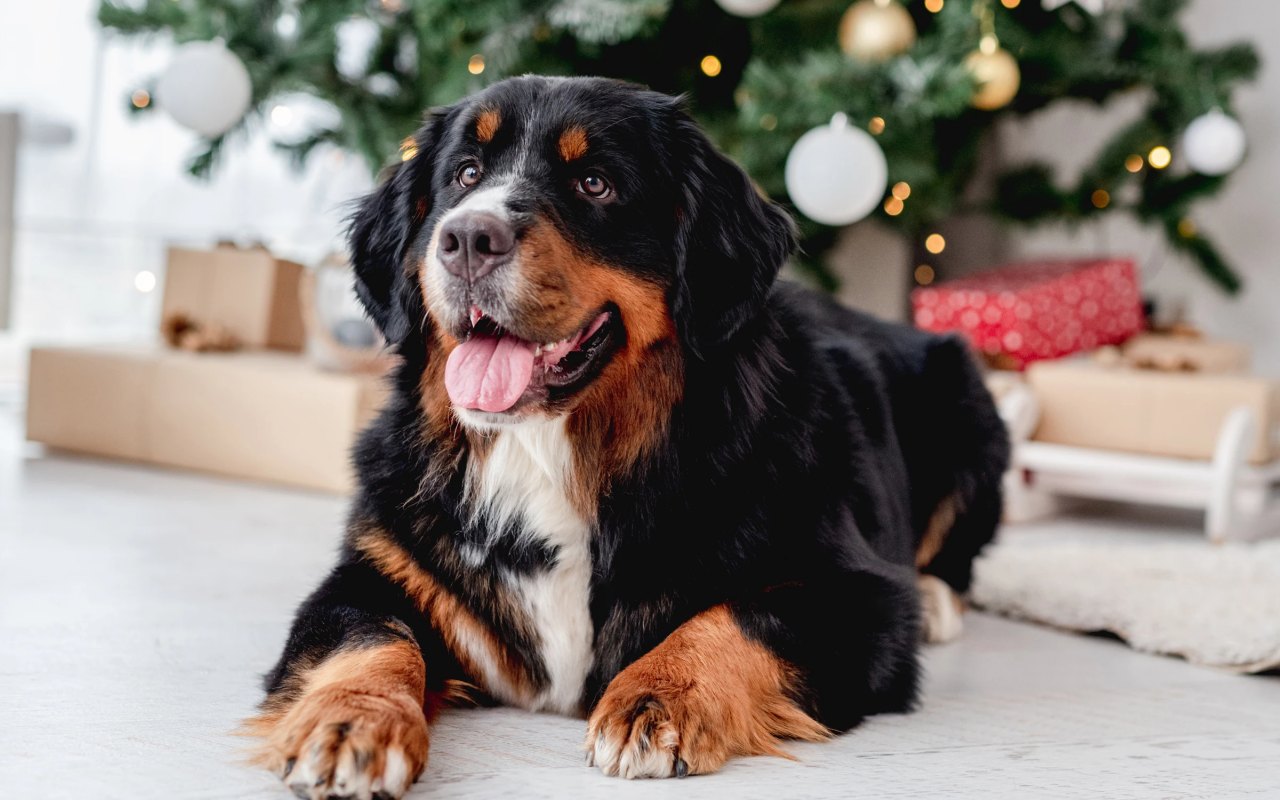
(928, 80)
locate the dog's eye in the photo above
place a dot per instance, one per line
(594, 186)
(468, 174)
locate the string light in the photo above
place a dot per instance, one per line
(768, 122)
(1159, 157)
(924, 274)
(1134, 163)
(1100, 198)
(935, 243)
(140, 98)
(475, 65)
(1186, 228)
(1010, 3)
(144, 281)
(710, 66)
(933, 5)
(408, 149)
(901, 190)
(893, 206)
(876, 125)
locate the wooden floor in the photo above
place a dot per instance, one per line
(137, 608)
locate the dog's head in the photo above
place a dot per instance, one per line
(548, 231)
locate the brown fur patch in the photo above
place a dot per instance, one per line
(707, 693)
(472, 642)
(573, 143)
(935, 533)
(624, 412)
(351, 708)
(487, 123)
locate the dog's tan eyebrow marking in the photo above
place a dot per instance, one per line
(573, 143)
(487, 125)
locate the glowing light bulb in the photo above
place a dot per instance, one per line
(1159, 157)
(901, 190)
(924, 274)
(475, 65)
(935, 244)
(710, 66)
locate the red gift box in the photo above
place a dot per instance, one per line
(1032, 311)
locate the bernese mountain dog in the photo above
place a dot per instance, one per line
(624, 472)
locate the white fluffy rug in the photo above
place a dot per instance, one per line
(1155, 583)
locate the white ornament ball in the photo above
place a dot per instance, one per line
(1214, 143)
(748, 8)
(836, 174)
(206, 88)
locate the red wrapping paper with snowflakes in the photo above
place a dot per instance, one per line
(1032, 311)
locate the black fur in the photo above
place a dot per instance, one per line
(799, 469)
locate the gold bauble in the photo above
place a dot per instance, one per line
(876, 30)
(997, 76)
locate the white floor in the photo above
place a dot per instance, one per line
(137, 608)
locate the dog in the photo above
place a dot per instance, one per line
(625, 473)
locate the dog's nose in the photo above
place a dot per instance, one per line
(475, 243)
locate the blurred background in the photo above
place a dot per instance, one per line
(99, 186)
(1087, 190)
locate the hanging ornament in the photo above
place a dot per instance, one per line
(748, 8)
(836, 174)
(206, 88)
(1214, 143)
(997, 75)
(1092, 6)
(872, 31)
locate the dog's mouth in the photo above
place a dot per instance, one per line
(494, 370)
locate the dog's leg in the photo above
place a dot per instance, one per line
(346, 712)
(798, 662)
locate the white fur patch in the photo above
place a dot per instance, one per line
(943, 620)
(521, 486)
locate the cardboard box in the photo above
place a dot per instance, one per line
(1182, 353)
(263, 415)
(248, 291)
(1086, 404)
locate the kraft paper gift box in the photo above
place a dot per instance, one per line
(1162, 351)
(1086, 404)
(263, 415)
(247, 291)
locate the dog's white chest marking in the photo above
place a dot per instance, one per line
(521, 491)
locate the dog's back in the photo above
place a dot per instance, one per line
(953, 445)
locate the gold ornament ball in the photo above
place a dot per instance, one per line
(876, 30)
(997, 76)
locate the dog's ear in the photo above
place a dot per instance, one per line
(384, 227)
(730, 242)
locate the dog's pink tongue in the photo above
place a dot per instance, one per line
(489, 373)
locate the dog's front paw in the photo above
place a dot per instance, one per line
(639, 732)
(336, 743)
